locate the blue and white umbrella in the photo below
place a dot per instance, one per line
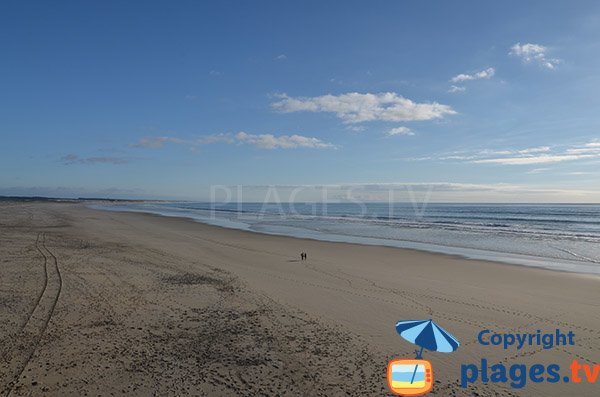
(428, 335)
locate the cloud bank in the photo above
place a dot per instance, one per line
(261, 141)
(527, 156)
(355, 107)
(268, 141)
(545, 155)
(416, 193)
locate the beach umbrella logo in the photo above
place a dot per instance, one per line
(414, 377)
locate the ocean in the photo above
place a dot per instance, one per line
(564, 237)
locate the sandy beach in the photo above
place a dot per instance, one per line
(111, 303)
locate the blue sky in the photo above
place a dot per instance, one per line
(479, 101)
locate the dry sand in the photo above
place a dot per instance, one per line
(106, 303)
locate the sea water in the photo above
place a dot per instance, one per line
(561, 237)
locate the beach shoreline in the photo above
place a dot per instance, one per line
(499, 257)
(134, 286)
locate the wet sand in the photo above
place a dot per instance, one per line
(106, 303)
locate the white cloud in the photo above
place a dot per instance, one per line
(540, 159)
(545, 155)
(269, 141)
(281, 57)
(455, 88)
(578, 173)
(357, 108)
(526, 156)
(263, 141)
(592, 147)
(400, 131)
(538, 170)
(484, 74)
(534, 53)
(539, 149)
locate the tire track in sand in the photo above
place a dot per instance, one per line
(37, 301)
(28, 340)
(43, 290)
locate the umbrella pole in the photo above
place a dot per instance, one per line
(416, 366)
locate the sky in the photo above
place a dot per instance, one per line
(462, 100)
